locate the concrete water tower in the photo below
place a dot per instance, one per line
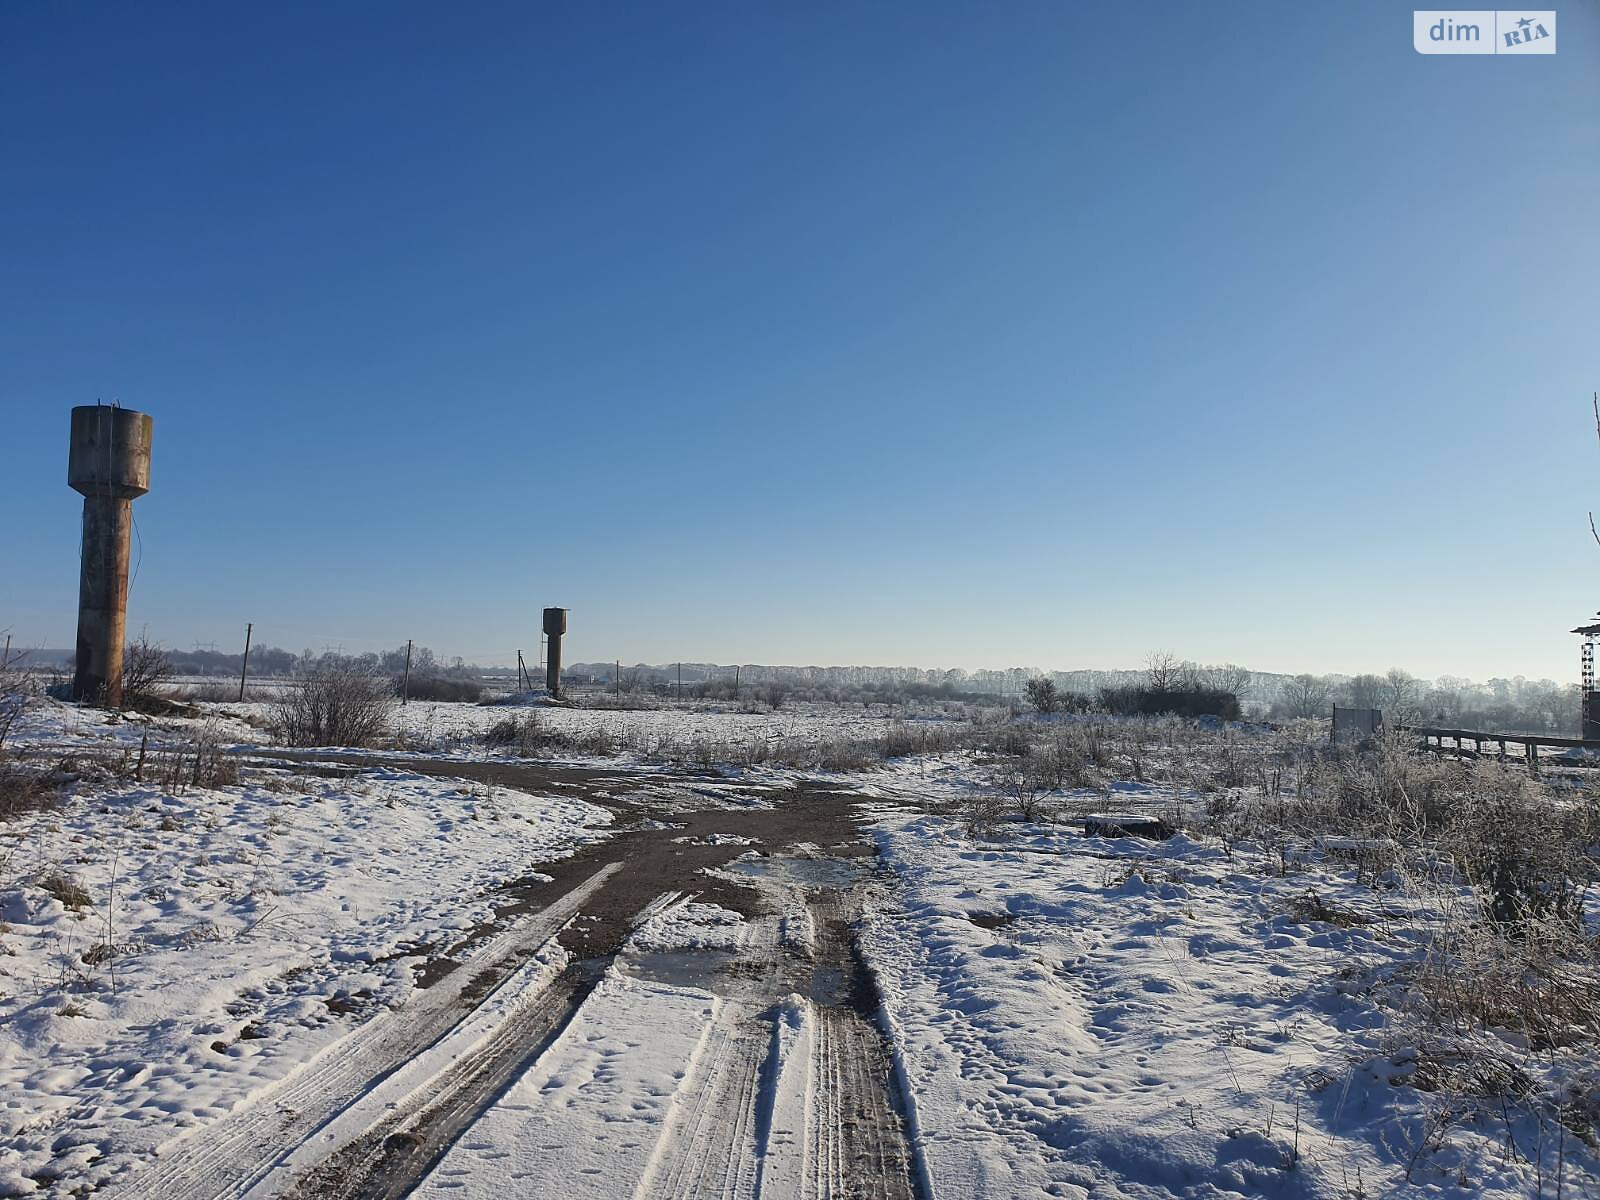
(109, 463)
(555, 624)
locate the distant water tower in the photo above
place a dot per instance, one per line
(555, 624)
(1591, 700)
(109, 463)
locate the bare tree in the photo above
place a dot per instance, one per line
(1305, 696)
(1364, 691)
(1400, 694)
(17, 689)
(1230, 678)
(1165, 672)
(145, 667)
(1025, 785)
(1042, 694)
(1446, 699)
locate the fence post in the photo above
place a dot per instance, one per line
(244, 667)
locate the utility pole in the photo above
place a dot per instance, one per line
(244, 667)
(5, 661)
(405, 680)
(736, 683)
(680, 683)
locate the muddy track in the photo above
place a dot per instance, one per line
(856, 1136)
(718, 1137)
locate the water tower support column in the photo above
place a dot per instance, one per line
(555, 624)
(109, 463)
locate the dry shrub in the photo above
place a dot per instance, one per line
(903, 738)
(1310, 906)
(25, 789)
(215, 692)
(1010, 740)
(1527, 851)
(526, 734)
(846, 755)
(13, 704)
(1022, 785)
(199, 762)
(520, 732)
(336, 704)
(145, 667)
(464, 691)
(1539, 980)
(623, 701)
(981, 812)
(1064, 761)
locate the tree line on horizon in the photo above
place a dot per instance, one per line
(1508, 705)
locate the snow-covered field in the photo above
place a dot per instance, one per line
(452, 729)
(1060, 1014)
(1083, 1017)
(164, 957)
(426, 723)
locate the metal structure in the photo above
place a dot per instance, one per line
(108, 462)
(1356, 724)
(555, 624)
(1591, 701)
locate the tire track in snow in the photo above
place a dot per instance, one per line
(708, 1148)
(228, 1158)
(859, 1148)
(406, 1139)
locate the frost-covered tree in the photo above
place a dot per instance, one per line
(1305, 696)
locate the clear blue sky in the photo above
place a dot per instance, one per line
(960, 335)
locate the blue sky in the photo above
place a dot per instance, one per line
(933, 334)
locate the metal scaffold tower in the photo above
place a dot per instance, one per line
(1591, 701)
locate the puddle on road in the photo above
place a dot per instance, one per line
(828, 986)
(679, 968)
(808, 873)
(722, 972)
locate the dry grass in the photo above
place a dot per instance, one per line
(68, 890)
(26, 789)
(198, 762)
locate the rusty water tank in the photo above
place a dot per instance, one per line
(108, 462)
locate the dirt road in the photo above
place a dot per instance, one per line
(547, 1054)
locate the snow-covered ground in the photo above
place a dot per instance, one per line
(52, 725)
(450, 728)
(439, 727)
(165, 956)
(1065, 1015)
(1118, 1018)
